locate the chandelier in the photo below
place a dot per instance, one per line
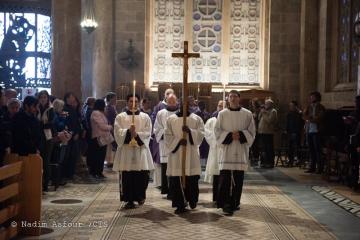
(88, 22)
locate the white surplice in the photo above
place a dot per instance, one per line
(234, 156)
(159, 131)
(212, 165)
(132, 158)
(173, 134)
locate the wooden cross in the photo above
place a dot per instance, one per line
(185, 89)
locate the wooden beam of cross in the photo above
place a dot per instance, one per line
(185, 89)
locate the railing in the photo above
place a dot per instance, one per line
(20, 195)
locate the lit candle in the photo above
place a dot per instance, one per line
(134, 82)
(198, 91)
(224, 100)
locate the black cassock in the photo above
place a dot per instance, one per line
(180, 196)
(133, 185)
(230, 189)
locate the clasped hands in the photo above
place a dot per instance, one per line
(235, 136)
(183, 142)
(186, 129)
(132, 131)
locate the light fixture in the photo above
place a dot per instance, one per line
(88, 22)
(357, 28)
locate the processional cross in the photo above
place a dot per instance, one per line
(185, 89)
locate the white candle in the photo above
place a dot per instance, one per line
(224, 100)
(134, 82)
(198, 92)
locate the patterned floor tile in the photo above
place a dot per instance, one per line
(266, 213)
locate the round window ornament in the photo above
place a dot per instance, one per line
(197, 16)
(217, 48)
(196, 27)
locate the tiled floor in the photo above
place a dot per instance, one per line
(305, 178)
(273, 206)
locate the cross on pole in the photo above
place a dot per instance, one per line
(185, 89)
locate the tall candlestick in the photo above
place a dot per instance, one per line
(224, 100)
(134, 83)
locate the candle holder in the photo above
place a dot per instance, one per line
(133, 142)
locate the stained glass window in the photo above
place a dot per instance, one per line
(25, 50)
(348, 51)
(226, 33)
(207, 40)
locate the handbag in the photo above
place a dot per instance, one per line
(105, 140)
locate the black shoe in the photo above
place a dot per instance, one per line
(228, 210)
(180, 210)
(129, 205)
(101, 176)
(192, 205)
(141, 202)
(237, 208)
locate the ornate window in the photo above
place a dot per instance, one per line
(25, 50)
(348, 51)
(226, 33)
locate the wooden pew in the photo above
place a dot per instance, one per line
(20, 195)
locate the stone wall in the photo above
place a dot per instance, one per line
(129, 24)
(284, 56)
(284, 52)
(309, 46)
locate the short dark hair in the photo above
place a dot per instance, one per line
(201, 105)
(131, 95)
(109, 96)
(30, 101)
(317, 95)
(235, 92)
(99, 104)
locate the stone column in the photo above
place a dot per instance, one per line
(103, 53)
(66, 50)
(308, 48)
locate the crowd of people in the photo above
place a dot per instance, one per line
(139, 141)
(60, 130)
